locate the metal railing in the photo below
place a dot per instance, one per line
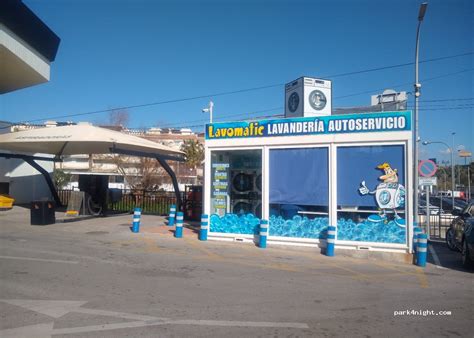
(151, 202)
(439, 224)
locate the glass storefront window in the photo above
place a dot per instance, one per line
(236, 191)
(371, 194)
(299, 192)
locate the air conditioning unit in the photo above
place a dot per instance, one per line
(306, 97)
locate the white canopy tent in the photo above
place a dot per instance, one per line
(79, 139)
(83, 139)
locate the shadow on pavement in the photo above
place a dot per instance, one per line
(446, 258)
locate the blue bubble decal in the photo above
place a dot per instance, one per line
(235, 224)
(316, 228)
(300, 227)
(370, 231)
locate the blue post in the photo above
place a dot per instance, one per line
(330, 241)
(178, 231)
(137, 213)
(172, 215)
(263, 234)
(416, 231)
(421, 250)
(204, 227)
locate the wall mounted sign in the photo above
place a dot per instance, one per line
(334, 124)
(424, 181)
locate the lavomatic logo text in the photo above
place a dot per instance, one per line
(357, 123)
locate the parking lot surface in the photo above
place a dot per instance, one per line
(96, 278)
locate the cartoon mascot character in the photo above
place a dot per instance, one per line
(389, 195)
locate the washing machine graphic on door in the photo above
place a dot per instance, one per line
(242, 207)
(246, 196)
(242, 181)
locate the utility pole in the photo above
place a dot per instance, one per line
(421, 15)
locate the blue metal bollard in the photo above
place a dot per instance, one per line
(263, 234)
(422, 249)
(178, 231)
(330, 241)
(204, 227)
(172, 216)
(416, 232)
(137, 213)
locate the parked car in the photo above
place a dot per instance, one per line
(434, 210)
(467, 250)
(455, 232)
(446, 203)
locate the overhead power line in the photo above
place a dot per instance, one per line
(403, 84)
(244, 90)
(399, 65)
(441, 100)
(166, 125)
(229, 118)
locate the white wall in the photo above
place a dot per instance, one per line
(26, 183)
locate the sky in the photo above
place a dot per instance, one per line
(172, 57)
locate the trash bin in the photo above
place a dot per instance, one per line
(42, 213)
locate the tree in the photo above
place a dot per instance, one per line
(61, 178)
(194, 153)
(141, 173)
(119, 117)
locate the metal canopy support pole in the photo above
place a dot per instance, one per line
(30, 159)
(48, 179)
(162, 160)
(173, 178)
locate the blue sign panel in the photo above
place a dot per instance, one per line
(357, 123)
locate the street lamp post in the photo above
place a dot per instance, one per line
(466, 154)
(452, 162)
(421, 15)
(445, 177)
(453, 177)
(209, 109)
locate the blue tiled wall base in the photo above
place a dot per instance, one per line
(235, 224)
(299, 227)
(367, 231)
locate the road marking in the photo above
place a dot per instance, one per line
(239, 323)
(435, 257)
(396, 268)
(200, 247)
(136, 324)
(40, 330)
(58, 309)
(117, 314)
(357, 275)
(39, 259)
(422, 279)
(52, 308)
(104, 327)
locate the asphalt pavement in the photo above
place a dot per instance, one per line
(95, 278)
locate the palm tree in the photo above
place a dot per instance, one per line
(194, 153)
